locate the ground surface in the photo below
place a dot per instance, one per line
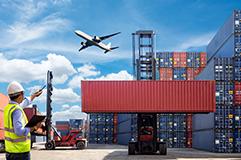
(117, 152)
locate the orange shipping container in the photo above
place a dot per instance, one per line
(166, 73)
(203, 59)
(3, 102)
(179, 59)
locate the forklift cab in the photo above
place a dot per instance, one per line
(147, 136)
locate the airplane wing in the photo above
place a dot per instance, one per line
(108, 36)
(83, 47)
(83, 35)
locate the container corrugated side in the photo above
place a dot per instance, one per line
(123, 118)
(124, 138)
(148, 96)
(203, 140)
(219, 42)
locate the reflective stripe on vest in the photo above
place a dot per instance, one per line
(18, 139)
(9, 130)
(13, 142)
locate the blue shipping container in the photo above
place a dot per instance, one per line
(214, 140)
(237, 142)
(237, 117)
(225, 41)
(179, 74)
(224, 92)
(193, 59)
(165, 59)
(223, 69)
(237, 68)
(174, 139)
(172, 122)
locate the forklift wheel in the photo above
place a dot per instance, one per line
(49, 145)
(80, 145)
(163, 149)
(131, 149)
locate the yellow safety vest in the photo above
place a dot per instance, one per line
(13, 142)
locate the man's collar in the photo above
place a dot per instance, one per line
(13, 102)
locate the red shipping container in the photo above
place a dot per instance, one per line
(148, 96)
(189, 139)
(115, 128)
(3, 102)
(237, 93)
(166, 73)
(189, 130)
(179, 59)
(190, 73)
(203, 59)
(197, 71)
(189, 122)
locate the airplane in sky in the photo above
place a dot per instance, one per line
(96, 41)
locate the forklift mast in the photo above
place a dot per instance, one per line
(48, 122)
(144, 68)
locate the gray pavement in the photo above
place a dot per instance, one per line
(118, 152)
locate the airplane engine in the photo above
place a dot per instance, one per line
(96, 38)
(82, 43)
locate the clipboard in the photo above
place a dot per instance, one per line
(35, 120)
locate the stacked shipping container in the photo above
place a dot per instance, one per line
(220, 131)
(172, 128)
(178, 66)
(102, 128)
(223, 125)
(127, 128)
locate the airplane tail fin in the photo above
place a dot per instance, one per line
(109, 45)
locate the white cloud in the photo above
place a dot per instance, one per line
(21, 32)
(34, 31)
(29, 25)
(60, 96)
(26, 71)
(67, 95)
(195, 41)
(28, 9)
(122, 75)
(84, 71)
(71, 112)
(75, 82)
(88, 70)
(60, 2)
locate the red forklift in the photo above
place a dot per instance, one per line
(53, 138)
(147, 136)
(74, 139)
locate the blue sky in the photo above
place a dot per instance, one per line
(39, 35)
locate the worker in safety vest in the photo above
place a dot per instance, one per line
(17, 136)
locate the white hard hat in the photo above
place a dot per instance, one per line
(14, 87)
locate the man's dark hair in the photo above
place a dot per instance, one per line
(13, 97)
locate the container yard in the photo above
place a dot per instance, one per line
(161, 91)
